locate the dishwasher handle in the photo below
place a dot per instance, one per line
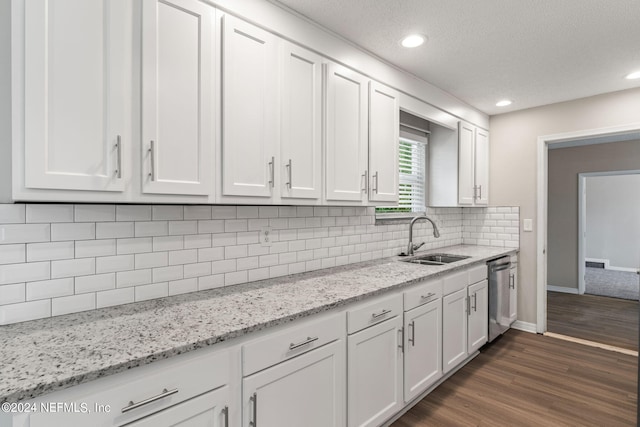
(500, 267)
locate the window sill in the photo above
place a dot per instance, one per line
(399, 218)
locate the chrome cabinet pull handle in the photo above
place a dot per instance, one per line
(375, 178)
(427, 296)
(272, 171)
(309, 340)
(412, 340)
(401, 345)
(225, 412)
(152, 173)
(475, 302)
(382, 313)
(254, 399)
(119, 157)
(365, 179)
(475, 192)
(480, 190)
(289, 173)
(131, 406)
(512, 281)
(468, 306)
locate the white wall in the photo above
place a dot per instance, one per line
(613, 219)
(514, 167)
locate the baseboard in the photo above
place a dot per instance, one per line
(563, 289)
(524, 326)
(608, 266)
(630, 270)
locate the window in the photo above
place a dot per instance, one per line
(412, 167)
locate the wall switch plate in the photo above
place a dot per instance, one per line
(265, 236)
(527, 224)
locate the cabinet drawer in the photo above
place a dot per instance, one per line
(280, 346)
(375, 312)
(478, 274)
(455, 282)
(422, 293)
(178, 379)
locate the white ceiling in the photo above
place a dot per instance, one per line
(535, 52)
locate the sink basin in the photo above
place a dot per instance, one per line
(436, 259)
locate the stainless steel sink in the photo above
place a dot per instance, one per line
(435, 259)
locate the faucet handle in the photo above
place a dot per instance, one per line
(418, 246)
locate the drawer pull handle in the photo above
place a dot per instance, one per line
(131, 406)
(225, 412)
(254, 400)
(382, 313)
(309, 340)
(427, 296)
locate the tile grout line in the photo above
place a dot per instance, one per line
(592, 343)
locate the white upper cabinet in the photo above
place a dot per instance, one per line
(346, 138)
(177, 80)
(77, 92)
(473, 165)
(249, 110)
(384, 126)
(300, 161)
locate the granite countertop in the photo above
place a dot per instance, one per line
(42, 356)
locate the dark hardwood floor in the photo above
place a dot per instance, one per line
(524, 379)
(611, 321)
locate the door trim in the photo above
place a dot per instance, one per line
(543, 144)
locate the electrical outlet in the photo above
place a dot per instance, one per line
(265, 236)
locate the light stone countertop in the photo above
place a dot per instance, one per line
(42, 356)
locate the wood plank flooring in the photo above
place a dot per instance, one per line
(524, 379)
(611, 321)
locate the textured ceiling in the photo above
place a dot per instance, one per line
(535, 52)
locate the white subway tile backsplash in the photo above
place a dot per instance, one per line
(115, 297)
(150, 260)
(49, 289)
(112, 264)
(28, 272)
(95, 213)
(95, 283)
(12, 254)
(73, 231)
(168, 212)
(11, 294)
(153, 291)
(116, 254)
(73, 304)
(133, 213)
(12, 214)
(95, 248)
(73, 267)
(197, 212)
(125, 279)
(50, 251)
(22, 312)
(49, 213)
(24, 233)
(183, 286)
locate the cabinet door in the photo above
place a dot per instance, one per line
(513, 295)
(482, 167)
(384, 127)
(346, 146)
(300, 145)
(454, 329)
(374, 369)
(77, 94)
(478, 315)
(307, 390)
(423, 348)
(250, 109)
(210, 409)
(466, 162)
(177, 81)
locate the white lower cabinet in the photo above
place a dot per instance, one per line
(454, 329)
(307, 390)
(513, 291)
(374, 363)
(478, 330)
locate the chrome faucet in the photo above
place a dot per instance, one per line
(411, 247)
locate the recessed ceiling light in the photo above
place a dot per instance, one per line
(503, 103)
(414, 40)
(634, 75)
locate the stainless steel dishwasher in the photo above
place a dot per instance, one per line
(499, 309)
